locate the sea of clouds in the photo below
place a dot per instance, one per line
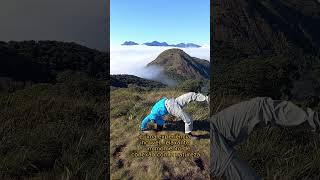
(133, 59)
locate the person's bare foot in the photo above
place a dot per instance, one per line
(146, 131)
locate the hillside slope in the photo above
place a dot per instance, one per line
(266, 48)
(28, 62)
(51, 57)
(179, 65)
(123, 81)
(53, 106)
(250, 27)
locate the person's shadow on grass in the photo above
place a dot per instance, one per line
(202, 125)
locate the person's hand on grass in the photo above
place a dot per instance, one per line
(159, 128)
(146, 131)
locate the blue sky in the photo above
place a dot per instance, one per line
(173, 21)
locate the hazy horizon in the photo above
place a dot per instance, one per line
(132, 60)
(80, 21)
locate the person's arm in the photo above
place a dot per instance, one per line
(145, 121)
(160, 122)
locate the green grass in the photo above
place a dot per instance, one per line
(128, 107)
(282, 153)
(54, 131)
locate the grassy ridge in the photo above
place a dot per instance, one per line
(53, 110)
(128, 107)
(54, 130)
(275, 153)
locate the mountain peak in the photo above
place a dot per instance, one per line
(177, 64)
(156, 43)
(129, 43)
(173, 50)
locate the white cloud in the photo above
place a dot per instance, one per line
(133, 59)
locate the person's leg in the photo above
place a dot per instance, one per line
(233, 124)
(188, 121)
(286, 113)
(191, 96)
(160, 122)
(224, 161)
(237, 121)
(239, 169)
(175, 109)
(221, 152)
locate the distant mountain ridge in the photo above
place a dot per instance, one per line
(156, 43)
(129, 43)
(165, 44)
(183, 45)
(179, 65)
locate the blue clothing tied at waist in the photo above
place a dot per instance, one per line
(157, 113)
